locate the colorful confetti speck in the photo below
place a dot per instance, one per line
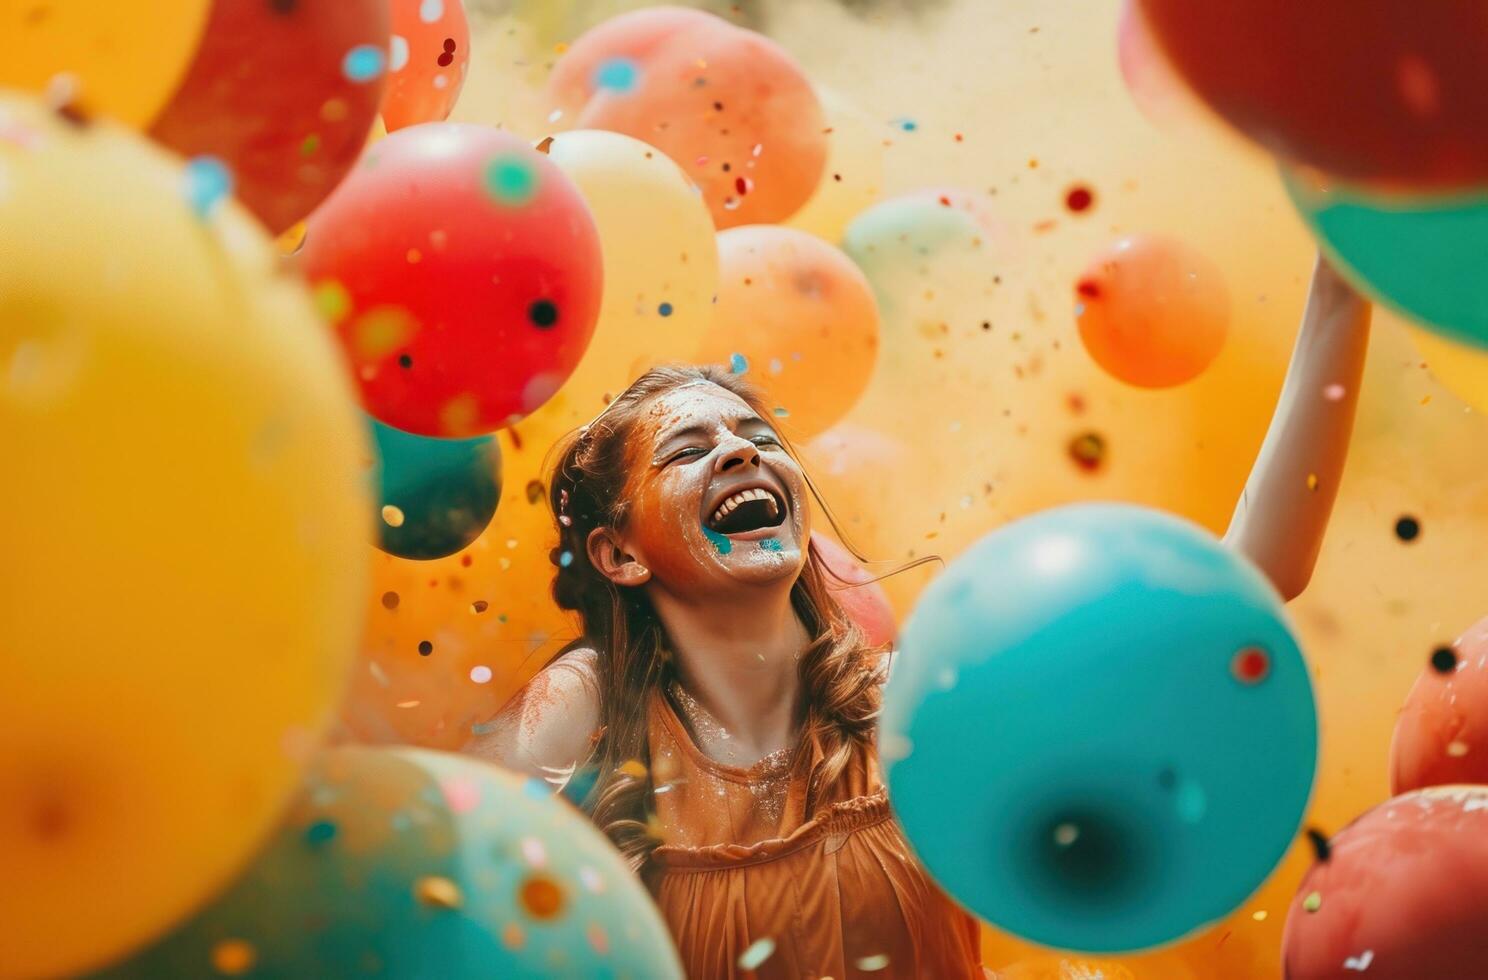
(665, 309)
(233, 957)
(480, 674)
(431, 10)
(617, 75)
(207, 183)
(542, 897)
(437, 891)
(755, 956)
(320, 832)
(363, 63)
(738, 364)
(511, 180)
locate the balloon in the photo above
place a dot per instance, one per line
(410, 863)
(860, 596)
(1441, 735)
(462, 270)
(853, 178)
(448, 641)
(1386, 92)
(846, 464)
(1100, 735)
(1151, 311)
(124, 61)
(1415, 256)
(1058, 967)
(427, 61)
(1464, 370)
(802, 318)
(729, 105)
(660, 270)
(1402, 895)
(658, 245)
(184, 517)
(289, 241)
(1155, 89)
(436, 495)
(283, 93)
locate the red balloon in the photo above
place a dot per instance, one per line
(462, 271)
(1389, 90)
(283, 93)
(729, 105)
(1402, 896)
(861, 598)
(1441, 735)
(427, 59)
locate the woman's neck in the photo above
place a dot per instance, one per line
(739, 658)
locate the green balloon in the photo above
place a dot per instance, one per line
(1423, 257)
(445, 491)
(406, 863)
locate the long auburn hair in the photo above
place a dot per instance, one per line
(587, 490)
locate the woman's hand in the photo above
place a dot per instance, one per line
(1284, 509)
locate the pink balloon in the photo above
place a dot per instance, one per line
(861, 598)
(1441, 735)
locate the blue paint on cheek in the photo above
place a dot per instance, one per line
(723, 544)
(770, 544)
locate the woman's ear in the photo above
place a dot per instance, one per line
(612, 560)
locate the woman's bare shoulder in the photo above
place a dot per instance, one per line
(548, 727)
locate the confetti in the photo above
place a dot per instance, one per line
(1088, 451)
(363, 63)
(1444, 660)
(510, 180)
(390, 600)
(320, 832)
(1251, 665)
(425, 648)
(1312, 902)
(233, 957)
(437, 891)
(665, 309)
(872, 964)
(392, 516)
(479, 606)
(617, 74)
(542, 897)
(1407, 528)
(480, 674)
(758, 951)
(207, 183)
(397, 52)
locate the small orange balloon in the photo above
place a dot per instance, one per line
(799, 317)
(1151, 311)
(427, 61)
(1441, 735)
(729, 105)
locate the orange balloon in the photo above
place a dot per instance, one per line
(1151, 311)
(729, 105)
(1057, 967)
(427, 61)
(802, 317)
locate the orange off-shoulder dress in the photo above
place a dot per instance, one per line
(823, 883)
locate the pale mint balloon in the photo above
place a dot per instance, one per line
(1426, 258)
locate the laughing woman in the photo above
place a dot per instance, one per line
(726, 703)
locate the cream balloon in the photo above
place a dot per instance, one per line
(854, 177)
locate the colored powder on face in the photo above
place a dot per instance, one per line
(723, 544)
(510, 180)
(770, 544)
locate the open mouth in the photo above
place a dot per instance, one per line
(748, 510)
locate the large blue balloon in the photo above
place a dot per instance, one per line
(405, 863)
(436, 495)
(1424, 258)
(1100, 734)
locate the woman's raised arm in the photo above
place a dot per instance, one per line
(1283, 511)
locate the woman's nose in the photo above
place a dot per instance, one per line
(741, 452)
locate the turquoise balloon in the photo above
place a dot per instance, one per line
(445, 489)
(1424, 258)
(1100, 733)
(407, 863)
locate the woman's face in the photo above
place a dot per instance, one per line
(716, 501)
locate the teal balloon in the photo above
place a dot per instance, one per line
(1424, 258)
(405, 863)
(1100, 733)
(446, 490)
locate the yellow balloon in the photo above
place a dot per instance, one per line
(1463, 370)
(854, 177)
(126, 61)
(660, 267)
(183, 518)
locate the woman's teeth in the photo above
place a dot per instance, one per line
(743, 497)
